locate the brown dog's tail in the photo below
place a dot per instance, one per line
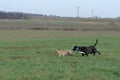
(96, 43)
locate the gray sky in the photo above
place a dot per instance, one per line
(64, 8)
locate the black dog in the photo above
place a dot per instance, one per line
(87, 50)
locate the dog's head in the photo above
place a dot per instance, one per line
(75, 48)
(57, 50)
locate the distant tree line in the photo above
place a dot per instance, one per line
(20, 15)
(13, 15)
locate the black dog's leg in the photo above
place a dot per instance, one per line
(94, 53)
(83, 54)
(87, 54)
(98, 52)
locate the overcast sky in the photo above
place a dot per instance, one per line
(64, 8)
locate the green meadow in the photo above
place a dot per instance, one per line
(31, 54)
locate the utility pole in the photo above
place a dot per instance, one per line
(92, 13)
(77, 11)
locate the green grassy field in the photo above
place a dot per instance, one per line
(30, 54)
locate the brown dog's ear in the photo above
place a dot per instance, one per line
(58, 49)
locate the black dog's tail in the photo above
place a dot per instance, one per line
(96, 43)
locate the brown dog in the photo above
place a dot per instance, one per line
(63, 53)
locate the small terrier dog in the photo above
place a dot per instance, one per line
(63, 53)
